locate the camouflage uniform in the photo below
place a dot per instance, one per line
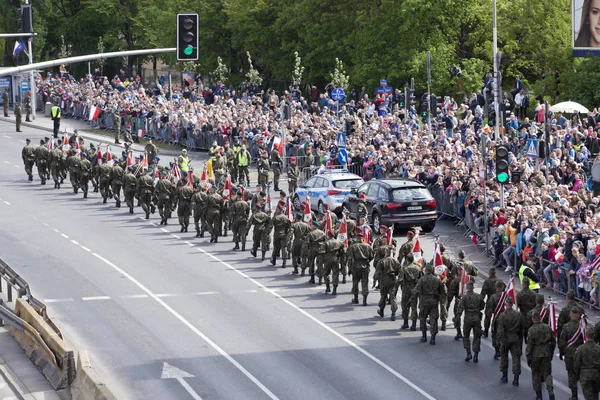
(259, 220)
(104, 174)
(214, 203)
(587, 367)
(386, 271)
(539, 352)
(407, 280)
(74, 166)
(129, 189)
(240, 211)
(300, 231)
(471, 304)
(41, 160)
(281, 226)
(429, 290)
(568, 352)
(510, 336)
(315, 238)
(145, 189)
(183, 198)
(163, 191)
(85, 171)
(199, 209)
(331, 263)
(28, 156)
(360, 255)
(116, 182)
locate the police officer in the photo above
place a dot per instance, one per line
(55, 114)
(243, 161)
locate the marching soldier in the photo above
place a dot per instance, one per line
(41, 160)
(117, 126)
(240, 212)
(490, 309)
(85, 170)
(510, 336)
(471, 304)
(199, 209)
(462, 266)
(219, 166)
(564, 316)
(259, 220)
(276, 164)
(145, 189)
(406, 248)
(568, 342)
(315, 238)
(263, 170)
(116, 182)
(407, 279)
(361, 209)
(487, 290)
(164, 190)
(331, 262)
(300, 231)
(129, 188)
(281, 226)
(214, 203)
(183, 197)
(229, 155)
(428, 290)
(293, 174)
(380, 249)
(104, 174)
(386, 270)
(55, 160)
(587, 366)
(74, 163)
(539, 352)
(526, 299)
(360, 255)
(28, 156)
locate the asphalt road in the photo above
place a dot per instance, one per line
(138, 296)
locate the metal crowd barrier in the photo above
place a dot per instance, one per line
(14, 282)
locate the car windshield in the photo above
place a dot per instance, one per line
(410, 194)
(347, 183)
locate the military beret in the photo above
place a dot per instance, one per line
(167, 168)
(316, 223)
(299, 215)
(383, 228)
(184, 173)
(320, 212)
(410, 233)
(221, 183)
(282, 193)
(130, 168)
(124, 153)
(258, 185)
(92, 146)
(137, 157)
(157, 158)
(235, 188)
(213, 186)
(262, 193)
(84, 154)
(27, 140)
(145, 168)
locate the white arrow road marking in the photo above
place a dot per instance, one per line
(171, 372)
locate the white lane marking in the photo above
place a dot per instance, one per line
(190, 326)
(8, 162)
(326, 327)
(22, 141)
(164, 294)
(176, 237)
(164, 230)
(204, 293)
(95, 298)
(55, 230)
(85, 248)
(7, 203)
(63, 235)
(136, 296)
(250, 291)
(75, 242)
(57, 300)
(45, 224)
(188, 243)
(8, 137)
(153, 224)
(17, 166)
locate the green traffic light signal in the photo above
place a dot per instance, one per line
(188, 50)
(502, 177)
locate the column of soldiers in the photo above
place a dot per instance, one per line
(311, 246)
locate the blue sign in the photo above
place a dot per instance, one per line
(343, 156)
(385, 90)
(383, 83)
(338, 94)
(341, 140)
(532, 148)
(5, 83)
(24, 86)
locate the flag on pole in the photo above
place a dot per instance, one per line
(438, 264)
(418, 259)
(191, 179)
(366, 234)
(278, 144)
(550, 311)
(512, 292)
(99, 156)
(145, 161)
(307, 213)
(268, 205)
(94, 113)
(78, 149)
(176, 172)
(227, 188)
(288, 209)
(141, 133)
(204, 176)
(66, 146)
(390, 236)
(109, 158)
(130, 158)
(328, 221)
(19, 47)
(156, 175)
(51, 144)
(500, 306)
(464, 279)
(343, 234)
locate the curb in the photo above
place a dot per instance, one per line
(15, 384)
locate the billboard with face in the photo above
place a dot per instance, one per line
(586, 27)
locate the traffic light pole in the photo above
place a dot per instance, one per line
(429, 93)
(32, 88)
(496, 73)
(485, 202)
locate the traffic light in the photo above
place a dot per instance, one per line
(401, 100)
(541, 149)
(507, 117)
(515, 177)
(501, 164)
(492, 116)
(26, 20)
(350, 128)
(187, 37)
(411, 98)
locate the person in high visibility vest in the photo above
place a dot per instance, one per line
(184, 161)
(526, 270)
(243, 161)
(55, 114)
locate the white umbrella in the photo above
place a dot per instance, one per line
(569, 107)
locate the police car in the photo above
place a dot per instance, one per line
(327, 188)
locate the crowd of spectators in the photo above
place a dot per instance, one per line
(550, 219)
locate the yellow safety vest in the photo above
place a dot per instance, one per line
(184, 163)
(55, 112)
(532, 285)
(243, 159)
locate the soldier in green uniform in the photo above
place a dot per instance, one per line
(587, 366)
(234, 169)
(28, 106)
(293, 174)
(526, 301)
(564, 316)
(240, 212)
(129, 188)
(219, 167)
(54, 160)
(361, 209)
(309, 163)
(446, 280)
(214, 203)
(259, 220)
(153, 151)
(276, 164)
(229, 156)
(387, 269)
(281, 226)
(263, 170)
(472, 304)
(407, 279)
(568, 342)
(183, 198)
(331, 261)
(74, 162)
(28, 157)
(487, 290)
(18, 116)
(116, 182)
(85, 170)
(315, 238)
(360, 255)
(164, 190)
(41, 160)
(490, 308)
(539, 308)
(145, 189)
(199, 210)
(406, 248)
(380, 250)
(104, 175)
(510, 336)
(117, 126)
(300, 231)
(455, 286)
(5, 101)
(539, 352)
(428, 290)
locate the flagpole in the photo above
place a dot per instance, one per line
(31, 77)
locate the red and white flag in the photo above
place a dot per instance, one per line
(307, 212)
(551, 311)
(343, 234)
(278, 144)
(51, 144)
(94, 113)
(204, 176)
(191, 179)
(328, 221)
(464, 279)
(288, 209)
(145, 161)
(418, 259)
(438, 264)
(176, 172)
(508, 291)
(109, 158)
(366, 234)
(579, 332)
(99, 156)
(227, 188)
(390, 236)
(130, 158)
(141, 133)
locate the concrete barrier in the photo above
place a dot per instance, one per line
(46, 349)
(87, 384)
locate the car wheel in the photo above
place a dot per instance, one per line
(429, 227)
(376, 222)
(320, 207)
(296, 202)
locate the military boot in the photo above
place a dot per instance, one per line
(119, 205)
(432, 341)
(380, 312)
(504, 378)
(516, 380)
(573, 394)
(497, 354)
(476, 357)
(538, 395)
(295, 272)
(131, 210)
(236, 247)
(343, 278)
(405, 324)
(198, 235)
(550, 394)
(284, 262)
(469, 355)
(182, 229)
(217, 240)
(85, 195)
(243, 246)
(312, 280)
(253, 253)
(364, 300)
(458, 334)
(302, 273)
(393, 317)
(273, 260)
(485, 333)
(413, 327)
(355, 299)
(104, 200)
(320, 281)
(424, 337)
(334, 292)
(443, 327)
(148, 214)
(327, 288)
(263, 253)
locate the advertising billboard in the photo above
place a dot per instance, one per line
(5, 83)
(586, 27)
